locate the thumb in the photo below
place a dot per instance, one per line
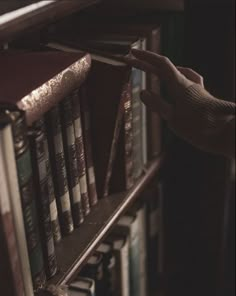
(156, 103)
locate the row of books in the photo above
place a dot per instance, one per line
(72, 131)
(120, 266)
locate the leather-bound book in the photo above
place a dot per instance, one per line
(37, 140)
(56, 230)
(71, 160)
(57, 157)
(80, 152)
(28, 194)
(86, 126)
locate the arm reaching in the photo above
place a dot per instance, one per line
(194, 114)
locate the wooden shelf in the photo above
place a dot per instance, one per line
(73, 250)
(43, 15)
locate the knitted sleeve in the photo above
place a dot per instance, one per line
(205, 121)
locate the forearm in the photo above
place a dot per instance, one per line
(214, 129)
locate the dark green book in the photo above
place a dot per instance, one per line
(28, 196)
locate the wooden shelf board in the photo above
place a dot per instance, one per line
(40, 17)
(73, 250)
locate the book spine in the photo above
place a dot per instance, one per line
(124, 259)
(141, 216)
(71, 161)
(153, 119)
(56, 152)
(93, 198)
(129, 137)
(134, 259)
(79, 143)
(8, 237)
(52, 199)
(137, 124)
(28, 200)
(41, 180)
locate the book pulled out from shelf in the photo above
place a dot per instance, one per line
(27, 193)
(108, 101)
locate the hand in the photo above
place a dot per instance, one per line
(176, 80)
(193, 114)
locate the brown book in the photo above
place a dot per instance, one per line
(86, 126)
(68, 134)
(152, 35)
(80, 153)
(41, 79)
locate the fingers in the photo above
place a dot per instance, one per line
(192, 75)
(140, 65)
(155, 103)
(165, 67)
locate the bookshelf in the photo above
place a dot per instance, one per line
(20, 20)
(97, 226)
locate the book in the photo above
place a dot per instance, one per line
(120, 246)
(129, 226)
(27, 193)
(152, 36)
(151, 195)
(11, 272)
(86, 127)
(68, 135)
(56, 230)
(140, 210)
(57, 156)
(109, 268)
(94, 270)
(37, 144)
(106, 109)
(84, 284)
(80, 152)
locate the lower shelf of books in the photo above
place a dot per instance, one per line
(73, 251)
